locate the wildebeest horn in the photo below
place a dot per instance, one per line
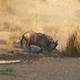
(56, 41)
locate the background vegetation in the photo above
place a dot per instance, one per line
(56, 18)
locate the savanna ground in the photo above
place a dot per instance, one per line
(57, 18)
(36, 66)
(40, 68)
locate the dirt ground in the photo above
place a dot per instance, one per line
(39, 67)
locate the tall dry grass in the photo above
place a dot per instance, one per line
(19, 16)
(73, 45)
(46, 24)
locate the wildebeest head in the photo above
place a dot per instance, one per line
(52, 44)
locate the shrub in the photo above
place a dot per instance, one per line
(73, 45)
(6, 26)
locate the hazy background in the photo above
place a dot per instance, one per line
(57, 18)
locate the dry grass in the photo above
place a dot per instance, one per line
(59, 31)
(73, 45)
(54, 18)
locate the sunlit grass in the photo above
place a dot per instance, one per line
(73, 46)
(17, 18)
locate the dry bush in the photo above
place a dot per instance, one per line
(73, 45)
(10, 40)
(14, 37)
(77, 42)
(6, 26)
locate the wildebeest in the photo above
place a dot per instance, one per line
(39, 39)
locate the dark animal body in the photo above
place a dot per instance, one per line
(39, 39)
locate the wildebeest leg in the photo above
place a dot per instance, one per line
(28, 45)
(21, 42)
(42, 49)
